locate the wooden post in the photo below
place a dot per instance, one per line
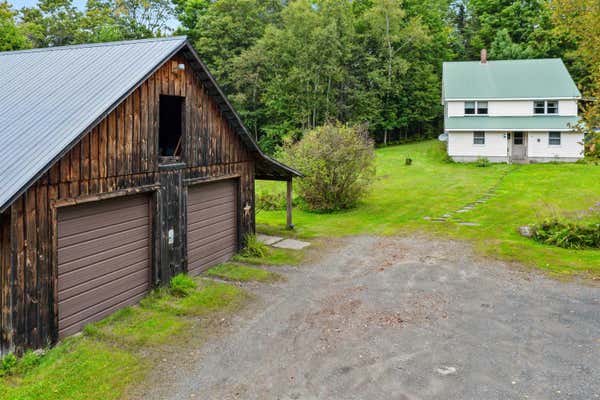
(289, 205)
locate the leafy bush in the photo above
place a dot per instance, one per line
(182, 285)
(482, 162)
(338, 163)
(570, 235)
(8, 364)
(11, 365)
(254, 248)
(270, 200)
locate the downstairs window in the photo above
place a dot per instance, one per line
(478, 137)
(554, 138)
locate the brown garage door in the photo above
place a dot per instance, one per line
(104, 259)
(211, 224)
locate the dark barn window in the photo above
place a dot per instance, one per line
(170, 131)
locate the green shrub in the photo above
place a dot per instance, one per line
(182, 285)
(8, 364)
(270, 200)
(482, 162)
(253, 247)
(570, 235)
(338, 163)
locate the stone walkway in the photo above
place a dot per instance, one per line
(282, 243)
(457, 216)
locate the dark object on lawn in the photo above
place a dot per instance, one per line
(569, 235)
(408, 161)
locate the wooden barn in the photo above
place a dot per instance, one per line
(121, 164)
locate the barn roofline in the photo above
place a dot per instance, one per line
(278, 171)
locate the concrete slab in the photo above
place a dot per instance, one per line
(268, 239)
(291, 244)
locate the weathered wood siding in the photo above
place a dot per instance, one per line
(120, 153)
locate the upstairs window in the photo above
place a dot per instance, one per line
(476, 107)
(539, 107)
(545, 107)
(469, 107)
(170, 131)
(554, 138)
(478, 137)
(482, 107)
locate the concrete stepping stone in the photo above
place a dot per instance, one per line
(438, 220)
(268, 239)
(465, 223)
(427, 218)
(447, 215)
(291, 244)
(463, 210)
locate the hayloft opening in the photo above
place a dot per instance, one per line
(170, 131)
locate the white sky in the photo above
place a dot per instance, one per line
(173, 23)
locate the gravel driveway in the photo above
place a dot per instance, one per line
(398, 318)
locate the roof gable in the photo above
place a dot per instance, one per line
(508, 79)
(52, 97)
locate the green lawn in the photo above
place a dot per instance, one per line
(403, 195)
(241, 273)
(113, 354)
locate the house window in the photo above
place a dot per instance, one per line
(482, 107)
(170, 131)
(554, 138)
(518, 138)
(469, 107)
(478, 137)
(545, 107)
(539, 107)
(476, 107)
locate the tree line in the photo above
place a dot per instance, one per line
(292, 65)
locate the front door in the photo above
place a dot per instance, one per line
(519, 146)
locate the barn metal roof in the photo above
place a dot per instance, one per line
(508, 79)
(51, 97)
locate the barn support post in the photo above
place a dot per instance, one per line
(289, 223)
(171, 223)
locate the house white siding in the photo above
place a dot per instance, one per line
(539, 149)
(567, 107)
(456, 108)
(462, 148)
(511, 108)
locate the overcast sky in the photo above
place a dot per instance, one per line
(29, 3)
(173, 23)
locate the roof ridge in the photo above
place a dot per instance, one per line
(99, 44)
(505, 61)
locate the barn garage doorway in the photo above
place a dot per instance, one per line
(212, 224)
(104, 259)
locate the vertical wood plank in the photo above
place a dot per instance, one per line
(31, 287)
(17, 239)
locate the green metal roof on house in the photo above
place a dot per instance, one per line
(508, 79)
(533, 123)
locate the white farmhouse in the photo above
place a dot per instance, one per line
(511, 111)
